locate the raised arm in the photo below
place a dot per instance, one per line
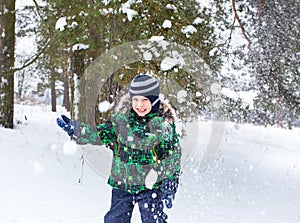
(87, 134)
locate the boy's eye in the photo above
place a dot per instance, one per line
(140, 99)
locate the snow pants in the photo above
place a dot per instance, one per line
(122, 204)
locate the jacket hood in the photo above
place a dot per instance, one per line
(165, 109)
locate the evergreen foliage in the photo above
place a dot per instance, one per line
(267, 67)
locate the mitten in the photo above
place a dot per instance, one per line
(169, 189)
(66, 124)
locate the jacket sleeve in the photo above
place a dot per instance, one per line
(96, 135)
(169, 154)
(106, 132)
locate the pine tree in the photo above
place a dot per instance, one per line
(103, 25)
(273, 28)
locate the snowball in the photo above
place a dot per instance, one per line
(61, 23)
(147, 55)
(151, 179)
(104, 106)
(167, 24)
(70, 148)
(38, 168)
(181, 96)
(168, 63)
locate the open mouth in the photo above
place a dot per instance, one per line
(141, 110)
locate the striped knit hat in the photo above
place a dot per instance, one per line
(147, 86)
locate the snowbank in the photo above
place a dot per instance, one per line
(255, 177)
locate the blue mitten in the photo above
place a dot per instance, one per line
(169, 189)
(66, 124)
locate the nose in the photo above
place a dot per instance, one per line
(139, 103)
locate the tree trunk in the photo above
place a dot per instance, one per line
(52, 83)
(66, 100)
(7, 48)
(77, 64)
(53, 91)
(109, 93)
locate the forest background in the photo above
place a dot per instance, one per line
(251, 48)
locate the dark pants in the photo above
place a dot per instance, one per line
(122, 204)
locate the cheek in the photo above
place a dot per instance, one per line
(134, 105)
(147, 104)
(149, 108)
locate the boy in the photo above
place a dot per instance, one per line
(146, 152)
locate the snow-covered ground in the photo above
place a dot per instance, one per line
(254, 178)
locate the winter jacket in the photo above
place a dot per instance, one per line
(146, 150)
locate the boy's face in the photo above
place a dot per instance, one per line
(141, 105)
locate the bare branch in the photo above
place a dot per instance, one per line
(33, 59)
(37, 7)
(240, 24)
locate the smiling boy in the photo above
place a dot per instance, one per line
(145, 144)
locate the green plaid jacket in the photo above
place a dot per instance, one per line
(146, 149)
